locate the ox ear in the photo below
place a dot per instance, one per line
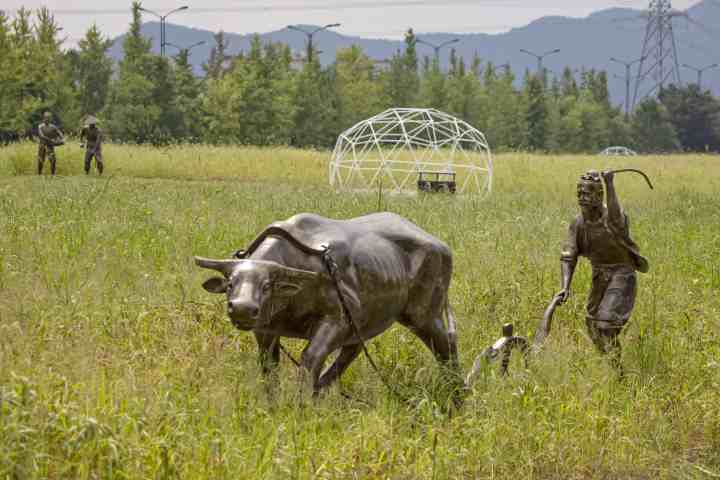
(289, 281)
(225, 267)
(215, 285)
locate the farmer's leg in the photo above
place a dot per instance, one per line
(41, 158)
(88, 159)
(98, 160)
(614, 312)
(53, 160)
(600, 281)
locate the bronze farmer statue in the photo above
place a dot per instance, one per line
(601, 233)
(49, 137)
(93, 137)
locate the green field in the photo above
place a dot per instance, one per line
(115, 363)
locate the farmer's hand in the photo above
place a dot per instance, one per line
(608, 175)
(564, 294)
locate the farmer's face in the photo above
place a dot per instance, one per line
(589, 195)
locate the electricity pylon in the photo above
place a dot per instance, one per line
(660, 64)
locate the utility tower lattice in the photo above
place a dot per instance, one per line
(660, 63)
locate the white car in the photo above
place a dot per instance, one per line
(619, 151)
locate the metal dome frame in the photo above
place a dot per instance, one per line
(395, 146)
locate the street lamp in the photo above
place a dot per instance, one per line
(438, 47)
(700, 72)
(310, 36)
(540, 57)
(162, 24)
(188, 48)
(628, 77)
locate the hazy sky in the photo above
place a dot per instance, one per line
(367, 18)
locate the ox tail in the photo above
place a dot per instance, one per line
(452, 334)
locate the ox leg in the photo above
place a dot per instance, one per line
(328, 337)
(443, 345)
(269, 349)
(438, 341)
(348, 353)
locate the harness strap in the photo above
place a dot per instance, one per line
(332, 268)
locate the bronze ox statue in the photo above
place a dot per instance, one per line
(337, 284)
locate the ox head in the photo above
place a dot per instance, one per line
(256, 289)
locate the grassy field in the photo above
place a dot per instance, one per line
(115, 363)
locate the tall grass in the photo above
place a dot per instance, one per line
(114, 363)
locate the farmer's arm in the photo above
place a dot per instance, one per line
(42, 136)
(568, 260)
(59, 134)
(615, 214)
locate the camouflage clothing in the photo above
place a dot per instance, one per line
(93, 147)
(49, 136)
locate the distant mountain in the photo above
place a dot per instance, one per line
(584, 42)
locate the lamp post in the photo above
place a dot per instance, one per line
(188, 48)
(700, 72)
(540, 57)
(310, 34)
(162, 24)
(628, 77)
(437, 47)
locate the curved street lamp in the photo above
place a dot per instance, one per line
(628, 77)
(310, 34)
(437, 47)
(540, 57)
(188, 48)
(700, 71)
(162, 24)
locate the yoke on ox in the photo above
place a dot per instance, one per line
(388, 270)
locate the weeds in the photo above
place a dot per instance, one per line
(114, 363)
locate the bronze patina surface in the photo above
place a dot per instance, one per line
(92, 137)
(49, 137)
(388, 270)
(601, 233)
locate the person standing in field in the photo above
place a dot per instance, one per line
(49, 137)
(92, 136)
(601, 233)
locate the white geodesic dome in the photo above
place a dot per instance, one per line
(394, 147)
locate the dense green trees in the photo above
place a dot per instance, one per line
(315, 118)
(35, 74)
(652, 128)
(262, 97)
(252, 103)
(92, 70)
(695, 115)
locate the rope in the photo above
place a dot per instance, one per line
(332, 268)
(288, 354)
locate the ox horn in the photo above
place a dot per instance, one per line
(289, 273)
(225, 267)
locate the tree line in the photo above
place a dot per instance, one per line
(259, 98)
